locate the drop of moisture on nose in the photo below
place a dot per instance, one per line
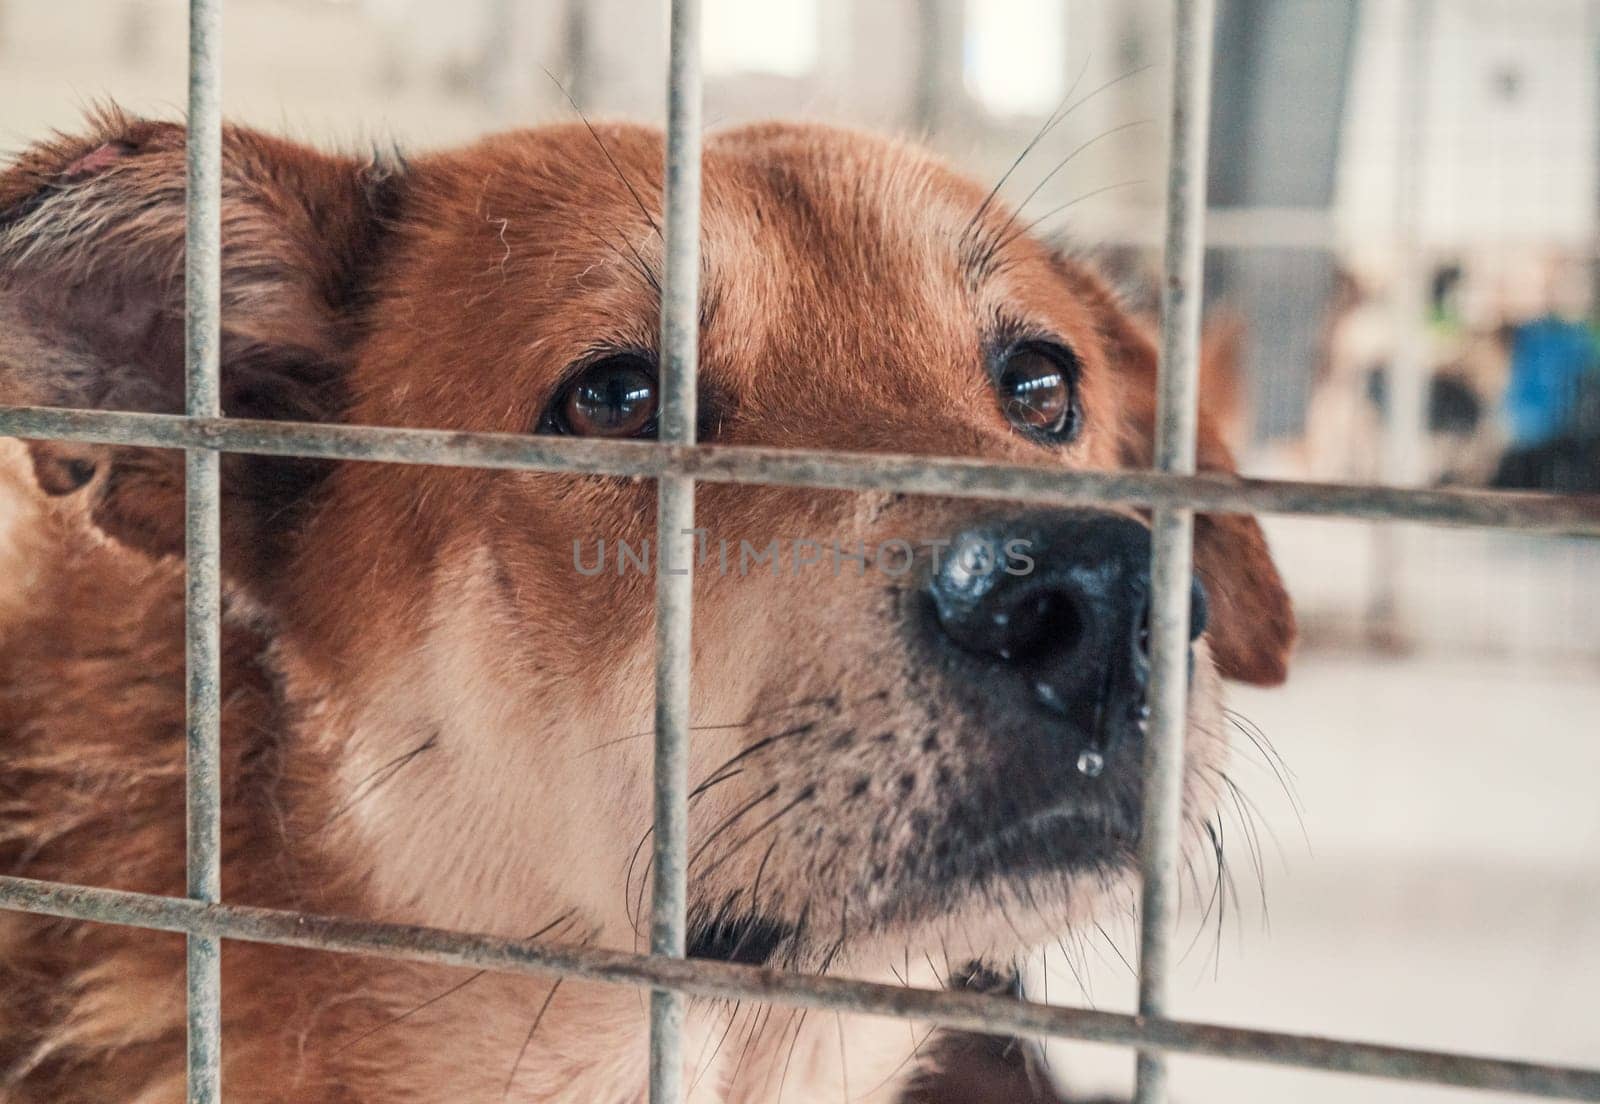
(1091, 763)
(969, 568)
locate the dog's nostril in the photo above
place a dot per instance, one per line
(1075, 626)
(1039, 621)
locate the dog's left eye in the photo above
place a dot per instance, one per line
(1038, 390)
(614, 397)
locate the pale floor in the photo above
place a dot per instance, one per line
(1449, 896)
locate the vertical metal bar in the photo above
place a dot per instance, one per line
(934, 20)
(1173, 529)
(577, 48)
(202, 527)
(1405, 429)
(680, 337)
(505, 63)
(1405, 438)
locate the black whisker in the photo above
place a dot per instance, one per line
(378, 777)
(406, 1015)
(758, 1024)
(615, 740)
(1216, 890)
(761, 869)
(1084, 989)
(1068, 159)
(560, 921)
(526, 1042)
(605, 150)
(1259, 819)
(637, 914)
(762, 827)
(981, 256)
(1082, 197)
(1061, 111)
(731, 819)
(829, 701)
(1275, 763)
(798, 1027)
(1247, 823)
(1116, 950)
(703, 1063)
(914, 1056)
(634, 260)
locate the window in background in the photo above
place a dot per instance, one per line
(1015, 55)
(778, 37)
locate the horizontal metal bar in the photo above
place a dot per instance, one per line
(962, 1010)
(1573, 515)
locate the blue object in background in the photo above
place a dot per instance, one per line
(1550, 358)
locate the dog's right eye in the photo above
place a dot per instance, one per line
(1038, 391)
(614, 397)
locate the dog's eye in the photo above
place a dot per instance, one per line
(1038, 390)
(614, 397)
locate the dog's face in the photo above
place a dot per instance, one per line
(918, 721)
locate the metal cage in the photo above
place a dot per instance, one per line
(1173, 492)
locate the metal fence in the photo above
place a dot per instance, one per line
(1173, 491)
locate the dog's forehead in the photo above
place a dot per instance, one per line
(867, 251)
(810, 222)
(820, 246)
(787, 206)
(846, 201)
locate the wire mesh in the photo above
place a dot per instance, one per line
(1174, 492)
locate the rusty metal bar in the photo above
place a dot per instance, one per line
(1172, 526)
(203, 540)
(959, 1009)
(1569, 515)
(680, 340)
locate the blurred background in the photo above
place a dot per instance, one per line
(1403, 279)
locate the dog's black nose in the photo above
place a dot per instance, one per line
(1061, 600)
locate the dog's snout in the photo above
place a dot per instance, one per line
(1063, 601)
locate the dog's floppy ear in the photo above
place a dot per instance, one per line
(1252, 627)
(91, 311)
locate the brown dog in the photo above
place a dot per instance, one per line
(437, 684)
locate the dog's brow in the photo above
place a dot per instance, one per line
(629, 255)
(979, 259)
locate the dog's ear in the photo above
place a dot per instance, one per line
(1252, 627)
(91, 312)
(1223, 388)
